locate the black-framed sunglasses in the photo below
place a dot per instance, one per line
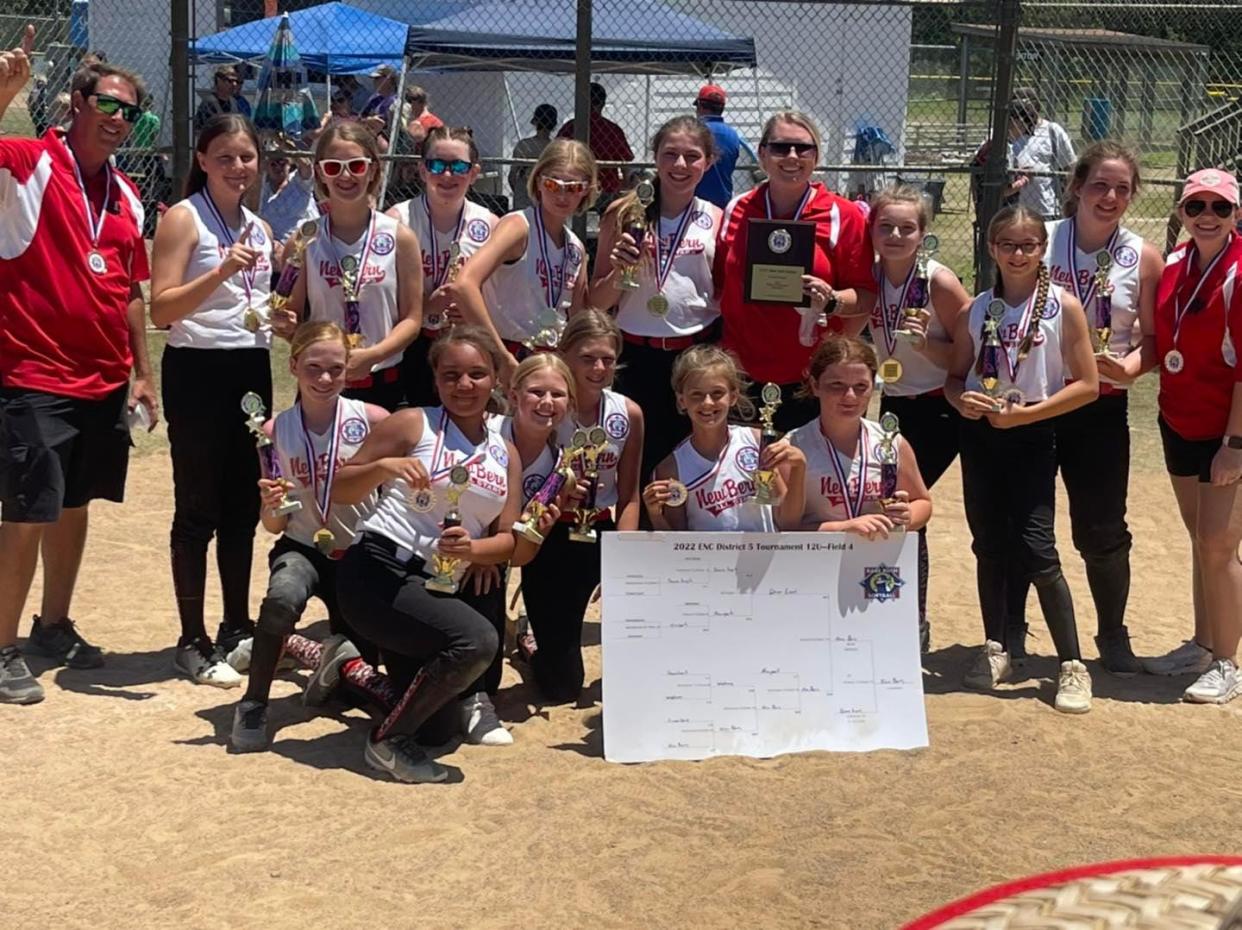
(457, 166)
(801, 149)
(1221, 208)
(110, 106)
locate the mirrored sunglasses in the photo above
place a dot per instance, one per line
(556, 186)
(110, 106)
(441, 166)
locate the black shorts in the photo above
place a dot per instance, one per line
(1188, 458)
(58, 452)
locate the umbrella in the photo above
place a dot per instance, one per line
(284, 104)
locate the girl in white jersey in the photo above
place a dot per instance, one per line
(450, 229)
(838, 479)
(1089, 248)
(211, 267)
(1015, 357)
(362, 268)
(311, 441)
(433, 463)
(674, 305)
(918, 301)
(535, 264)
(716, 463)
(557, 585)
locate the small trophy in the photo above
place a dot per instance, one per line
(633, 220)
(888, 457)
(988, 365)
(269, 461)
(588, 445)
(295, 257)
(764, 477)
(918, 298)
(1103, 303)
(443, 567)
(353, 309)
(537, 506)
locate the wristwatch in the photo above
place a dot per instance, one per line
(1233, 442)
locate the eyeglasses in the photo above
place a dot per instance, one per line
(781, 149)
(557, 186)
(110, 106)
(1222, 208)
(1008, 247)
(441, 166)
(332, 167)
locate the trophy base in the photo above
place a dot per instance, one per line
(288, 507)
(528, 531)
(441, 585)
(624, 285)
(587, 535)
(906, 336)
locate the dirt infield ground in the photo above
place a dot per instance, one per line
(123, 809)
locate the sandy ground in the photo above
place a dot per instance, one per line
(123, 808)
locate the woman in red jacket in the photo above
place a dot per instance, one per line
(765, 337)
(1198, 330)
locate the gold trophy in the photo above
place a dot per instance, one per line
(633, 220)
(269, 461)
(588, 445)
(1103, 328)
(444, 566)
(918, 299)
(763, 477)
(295, 257)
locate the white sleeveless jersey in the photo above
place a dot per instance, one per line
(441, 447)
(352, 429)
(218, 322)
(688, 288)
(825, 497)
(377, 296)
(722, 492)
(534, 474)
(520, 309)
(614, 417)
(477, 224)
(1042, 373)
(919, 374)
(1124, 274)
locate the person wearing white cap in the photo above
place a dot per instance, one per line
(1198, 329)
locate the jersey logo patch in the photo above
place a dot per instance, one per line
(257, 236)
(1126, 257)
(702, 219)
(478, 230)
(747, 459)
(383, 243)
(1052, 308)
(499, 453)
(531, 485)
(617, 425)
(572, 254)
(354, 430)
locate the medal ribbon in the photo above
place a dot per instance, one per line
(322, 495)
(664, 265)
(1085, 296)
(436, 473)
(368, 238)
(1011, 359)
(94, 226)
(806, 198)
(852, 508)
(555, 283)
(438, 274)
(247, 274)
(888, 322)
(1180, 310)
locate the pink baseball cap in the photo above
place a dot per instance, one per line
(1211, 181)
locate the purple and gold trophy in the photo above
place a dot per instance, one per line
(269, 461)
(918, 298)
(587, 445)
(988, 364)
(770, 394)
(633, 220)
(1103, 303)
(443, 567)
(538, 505)
(295, 258)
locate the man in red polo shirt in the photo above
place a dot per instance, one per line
(608, 142)
(72, 258)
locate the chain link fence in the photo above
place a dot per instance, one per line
(901, 90)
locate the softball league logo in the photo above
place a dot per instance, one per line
(383, 244)
(354, 430)
(1127, 257)
(882, 583)
(478, 231)
(499, 453)
(747, 459)
(616, 425)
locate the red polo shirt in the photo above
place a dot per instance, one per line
(608, 143)
(64, 328)
(1195, 402)
(764, 336)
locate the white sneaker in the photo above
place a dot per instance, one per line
(989, 668)
(1073, 688)
(479, 722)
(1220, 684)
(239, 656)
(1187, 659)
(205, 667)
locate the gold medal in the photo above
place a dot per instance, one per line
(423, 500)
(325, 541)
(890, 371)
(250, 320)
(677, 494)
(657, 305)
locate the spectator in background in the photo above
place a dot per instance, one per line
(1036, 145)
(544, 121)
(717, 183)
(340, 109)
(607, 143)
(287, 197)
(225, 97)
(358, 95)
(417, 117)
(376, 113)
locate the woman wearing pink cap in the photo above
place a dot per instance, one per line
(1198, 326)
